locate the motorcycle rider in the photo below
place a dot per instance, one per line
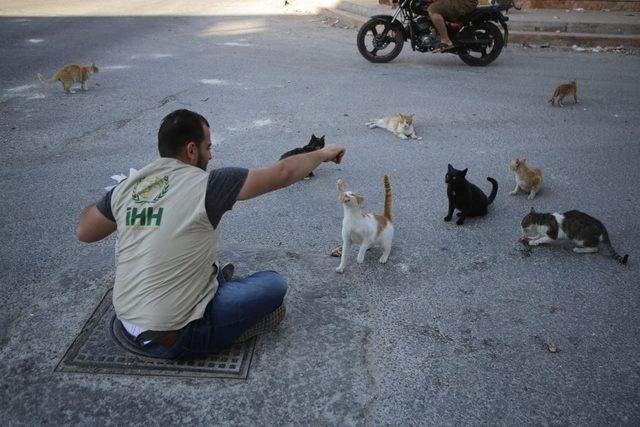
(452, 10)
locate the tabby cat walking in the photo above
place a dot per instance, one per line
(70, 75)
(564, 90)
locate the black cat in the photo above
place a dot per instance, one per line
(466, 197)
(314, 144)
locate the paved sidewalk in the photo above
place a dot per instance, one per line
(559, 27)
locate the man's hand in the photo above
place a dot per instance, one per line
(287, 171)
(333, 153)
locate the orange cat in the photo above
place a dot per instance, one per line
(70, 74)
(528, 179)
(566, 89)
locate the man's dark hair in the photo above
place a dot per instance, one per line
(177, 129)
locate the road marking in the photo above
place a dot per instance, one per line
(234, 44)
(214, 82)
(114, 67)
(152, 55)
(262, 122)
(21, 88)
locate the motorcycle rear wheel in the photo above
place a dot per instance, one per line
(480, 57)
(370, 41)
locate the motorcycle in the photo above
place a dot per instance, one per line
(476, 39)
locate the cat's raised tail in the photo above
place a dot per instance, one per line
(387, 197)
(494, 190)
(621, 259)
(48, 81)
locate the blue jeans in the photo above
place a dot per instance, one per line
(237, 306)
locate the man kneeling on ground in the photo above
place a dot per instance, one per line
(170, 293)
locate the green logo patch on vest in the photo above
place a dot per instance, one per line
(147, 190)
(150, 189)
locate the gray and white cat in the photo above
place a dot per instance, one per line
(585, 231)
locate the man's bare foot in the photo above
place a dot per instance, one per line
(443, 46)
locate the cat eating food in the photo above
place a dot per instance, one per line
(71, 74)
(584, 230)
(563, 90)
(314, 144)
(466, 197)
(363, 228)
(400, 125)
(528, 179)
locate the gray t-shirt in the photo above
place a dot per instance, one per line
(223, 188)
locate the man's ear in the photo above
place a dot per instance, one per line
(191, 152)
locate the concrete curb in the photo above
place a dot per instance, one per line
(570, 39)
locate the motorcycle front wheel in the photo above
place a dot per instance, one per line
(482, 55)
(376, 47)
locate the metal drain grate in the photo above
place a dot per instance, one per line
(94, 351)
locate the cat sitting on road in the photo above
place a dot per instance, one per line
(364, 228)
(400, 125)
(466, 197)
(584, 230)
(314, 144)
(563, 90)
(528, 179)
(71, 74)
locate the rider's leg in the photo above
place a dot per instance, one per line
(438, 22)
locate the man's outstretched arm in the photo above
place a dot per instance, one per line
(287, 171)
(93, 225)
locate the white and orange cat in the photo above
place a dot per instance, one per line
(400, 125)
(363, 228)
(70, 75)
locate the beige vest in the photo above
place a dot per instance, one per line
(166, 246)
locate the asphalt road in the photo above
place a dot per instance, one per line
(453, 330)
